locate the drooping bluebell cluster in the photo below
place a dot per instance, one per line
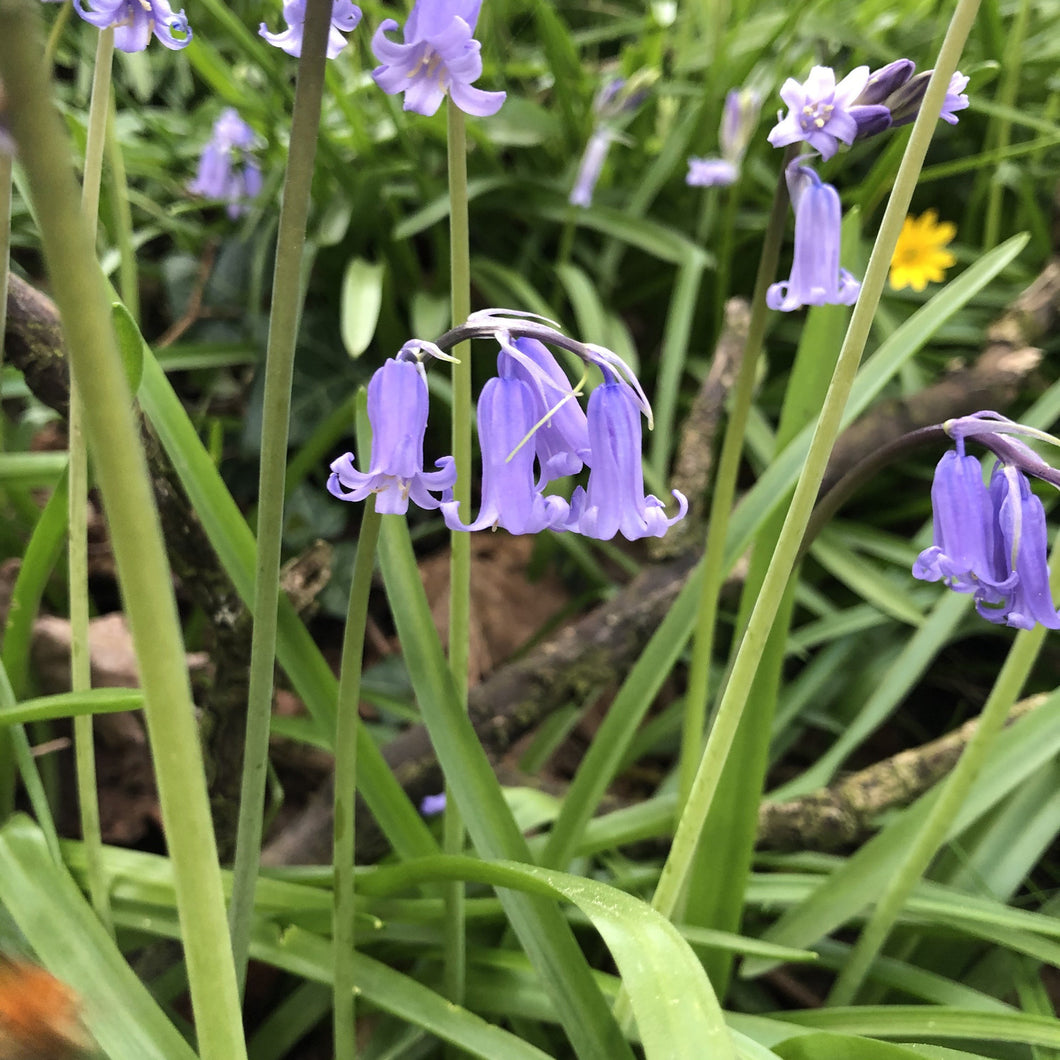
(990, 539)
(438, 55)
(227, 170)
(532, 432)
(616, 101)
(738, 121)
(345, 17)
(822, 113)
(134, 21)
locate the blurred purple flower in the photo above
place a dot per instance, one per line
(438, 54)
(226, 169)
(711, 173)
(345, 17)
(592, 164)
(955, 97)
(822, 112)
(397, 411)
(135, 20)
(432, 805)
(614, 500)
(816, 277)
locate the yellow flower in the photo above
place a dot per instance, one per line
(920, 257)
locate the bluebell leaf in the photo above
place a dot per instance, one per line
(397, 411)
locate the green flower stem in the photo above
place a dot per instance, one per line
(77, 503)
(730, 709)
(695, 717)
(459, 541)
(276, 412)
(81, 293)
(7, 759)
(1007, 689)
(346, 730)
(128, 273)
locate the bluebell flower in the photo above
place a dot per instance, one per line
(432, 805)
(561, 440)
(510, 499)
(345, 17)
(991, 541)
(397, 411)
(711, 173)
(738, 120)
(614, 500)
(134, 21)
(438, 54)
(615, 102)
(227, 171)
(822, 113)
(816, 276)
(905, 101)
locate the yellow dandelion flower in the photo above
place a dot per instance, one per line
(920, 257)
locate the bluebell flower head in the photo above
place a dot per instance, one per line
(134, 21)
(510, 500)
(991, 541)
(613, 502)
(738, 121)
(345, 17)
(438, 54)
(884, 82)
(821, 112)
(711, 173)
(227, 171)
(816, 276)
(397, 411)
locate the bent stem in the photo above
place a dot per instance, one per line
(144, 575)
(276, 414)
(347, 726)
(730, 710)
(459, 541)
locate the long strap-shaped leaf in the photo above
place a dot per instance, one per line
(59, 924)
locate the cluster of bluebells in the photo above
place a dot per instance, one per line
(227, 169)
(738, 120)
(614, 103)
(532, 432)
(989, 540)
(822, 113)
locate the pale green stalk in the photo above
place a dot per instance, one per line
(1010, 83)
(128, 273)
(77, 502)
(695, 717)
(933, 831)
(7, 761)
(730, 709)
(146, 581)
(347, 726)
(275, 422)
(459, 541)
